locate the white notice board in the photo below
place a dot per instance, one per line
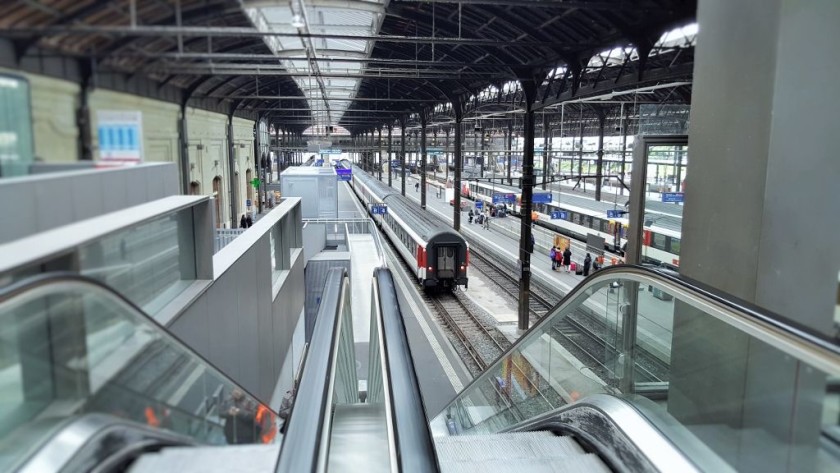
(120, 135)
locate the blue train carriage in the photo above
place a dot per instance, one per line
(438, 256)
(584, 215)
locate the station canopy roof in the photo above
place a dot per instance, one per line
(362, 64)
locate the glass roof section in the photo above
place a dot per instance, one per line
(328, 83)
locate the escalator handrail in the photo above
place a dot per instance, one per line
(304, 440)
(411, 430)
(70, 279)
(804, 343)
(621, 435)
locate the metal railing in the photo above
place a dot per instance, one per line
(225, 236)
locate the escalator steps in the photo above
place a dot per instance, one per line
(515, 452)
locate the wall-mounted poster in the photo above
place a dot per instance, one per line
(120, 135)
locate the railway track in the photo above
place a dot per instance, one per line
(477, 343)
(483, 343)
(580, 333)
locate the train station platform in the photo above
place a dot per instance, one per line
(443, 374)
(502, 239)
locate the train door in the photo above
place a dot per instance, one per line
(446, 262)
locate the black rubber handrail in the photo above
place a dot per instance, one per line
(43, 280)
(302, 440)
(743, 309)
(412, 433)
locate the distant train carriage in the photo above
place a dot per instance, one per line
(438, 255)
(661, 243)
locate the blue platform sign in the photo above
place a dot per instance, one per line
(672, 197)
(379, 209)
(434, 151)
(331, 151)
(615, 213)
(559, 215)
(479, 205)
(541, 198)
(248, 203)
(344, 174)
(504, 198)
(120, 135)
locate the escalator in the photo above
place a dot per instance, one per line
(88, 379)
(676, 377)
(635, 370)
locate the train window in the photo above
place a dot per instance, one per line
(596, 224)
(605, 226)
(660, 242)
(675, 245)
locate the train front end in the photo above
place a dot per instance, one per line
(446, 262)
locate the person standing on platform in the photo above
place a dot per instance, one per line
(242, 222)
(471, 215)
(553, 254)
(416, 187)
(487, 221)
(558, 259)
(587, 263)
(249, 221)
(567, 258)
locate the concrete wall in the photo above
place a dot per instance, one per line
(241, 326)
(42, 202)
(760, 223)
(244, 322)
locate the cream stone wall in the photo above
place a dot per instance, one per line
(56, 136)
(54, 103)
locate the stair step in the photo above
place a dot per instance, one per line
(524, 445)
(587, 463)
(515, 452)
(222, 459)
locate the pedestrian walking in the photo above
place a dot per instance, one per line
(471, 215)
(552, 254)
(416, 187)
(567, 258)
(487, 221)
(587, 263)
(242, 222)
(558, 259)
(249, 221)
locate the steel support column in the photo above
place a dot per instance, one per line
(379, 150)
(184, 149)
(459, 164)
(602, 120)
(509, 141)
(580, 158)
(83, 122)
(623, 148)
(402, 153)
(525, 221)
(234, 209)
(258, 164)
(545, 151)
(446, 155)
(390, 168)
(423, 159)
